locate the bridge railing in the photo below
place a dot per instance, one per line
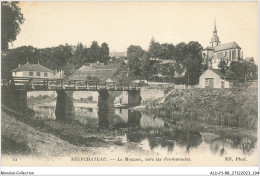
(41, 83)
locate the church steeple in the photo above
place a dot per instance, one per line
(214, 39)
(215, 28)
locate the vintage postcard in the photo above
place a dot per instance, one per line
(129, 83)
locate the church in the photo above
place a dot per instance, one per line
(216, 52)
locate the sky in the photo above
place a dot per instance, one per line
(121, 24)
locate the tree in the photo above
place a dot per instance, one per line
(244, 71)
(193, 62)
(250, 59)
(155, 49)
(168, 51)
(80, 55)
(223, 67)
(11, 19)
(60, 56)
(146, 66)
(168, 70)
(134, 55)
(94, 52)
(237, 68)
(104, 53)
(180, 52)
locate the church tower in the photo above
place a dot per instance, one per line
(214, 39)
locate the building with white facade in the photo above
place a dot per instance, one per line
(29, 70)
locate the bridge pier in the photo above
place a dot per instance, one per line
(65, 109)
(16, 100)
(106, 107)
(134, 98)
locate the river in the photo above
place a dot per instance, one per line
(156, 134)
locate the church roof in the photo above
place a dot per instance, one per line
(32, 67)
(226, 46)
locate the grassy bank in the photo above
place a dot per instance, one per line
(48, 138)
(22, 139)
(224, 107)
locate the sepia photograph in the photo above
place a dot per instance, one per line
(129, 83)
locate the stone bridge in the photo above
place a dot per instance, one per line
(14, 94)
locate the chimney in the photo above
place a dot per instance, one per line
(19, 65)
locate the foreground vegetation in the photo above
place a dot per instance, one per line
(224, 107)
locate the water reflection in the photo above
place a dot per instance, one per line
(154, 133)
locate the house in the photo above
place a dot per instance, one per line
(29, 70)
(213, 78)
(117, 54)
(217, 52)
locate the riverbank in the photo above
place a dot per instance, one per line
(48, 139)
(223, 107)
(173, 120)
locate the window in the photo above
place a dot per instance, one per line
(38, 74)
(45, 74)
(30, 73)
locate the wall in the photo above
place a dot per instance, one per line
(147, 95)
(217, 80)
(151, 94)
(26, 74)
(122, 98)
(85, 94)
(18, 74)
(41, 93)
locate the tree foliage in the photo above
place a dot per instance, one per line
(146, 66)
(193, 62)
(63, 57)
(134, 55)
(104, 53)
(168, 70)
(244, 70)
(223, 66)
(11, 19)
(155, 49)
(182, 57)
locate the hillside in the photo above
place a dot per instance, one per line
(98, 71)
